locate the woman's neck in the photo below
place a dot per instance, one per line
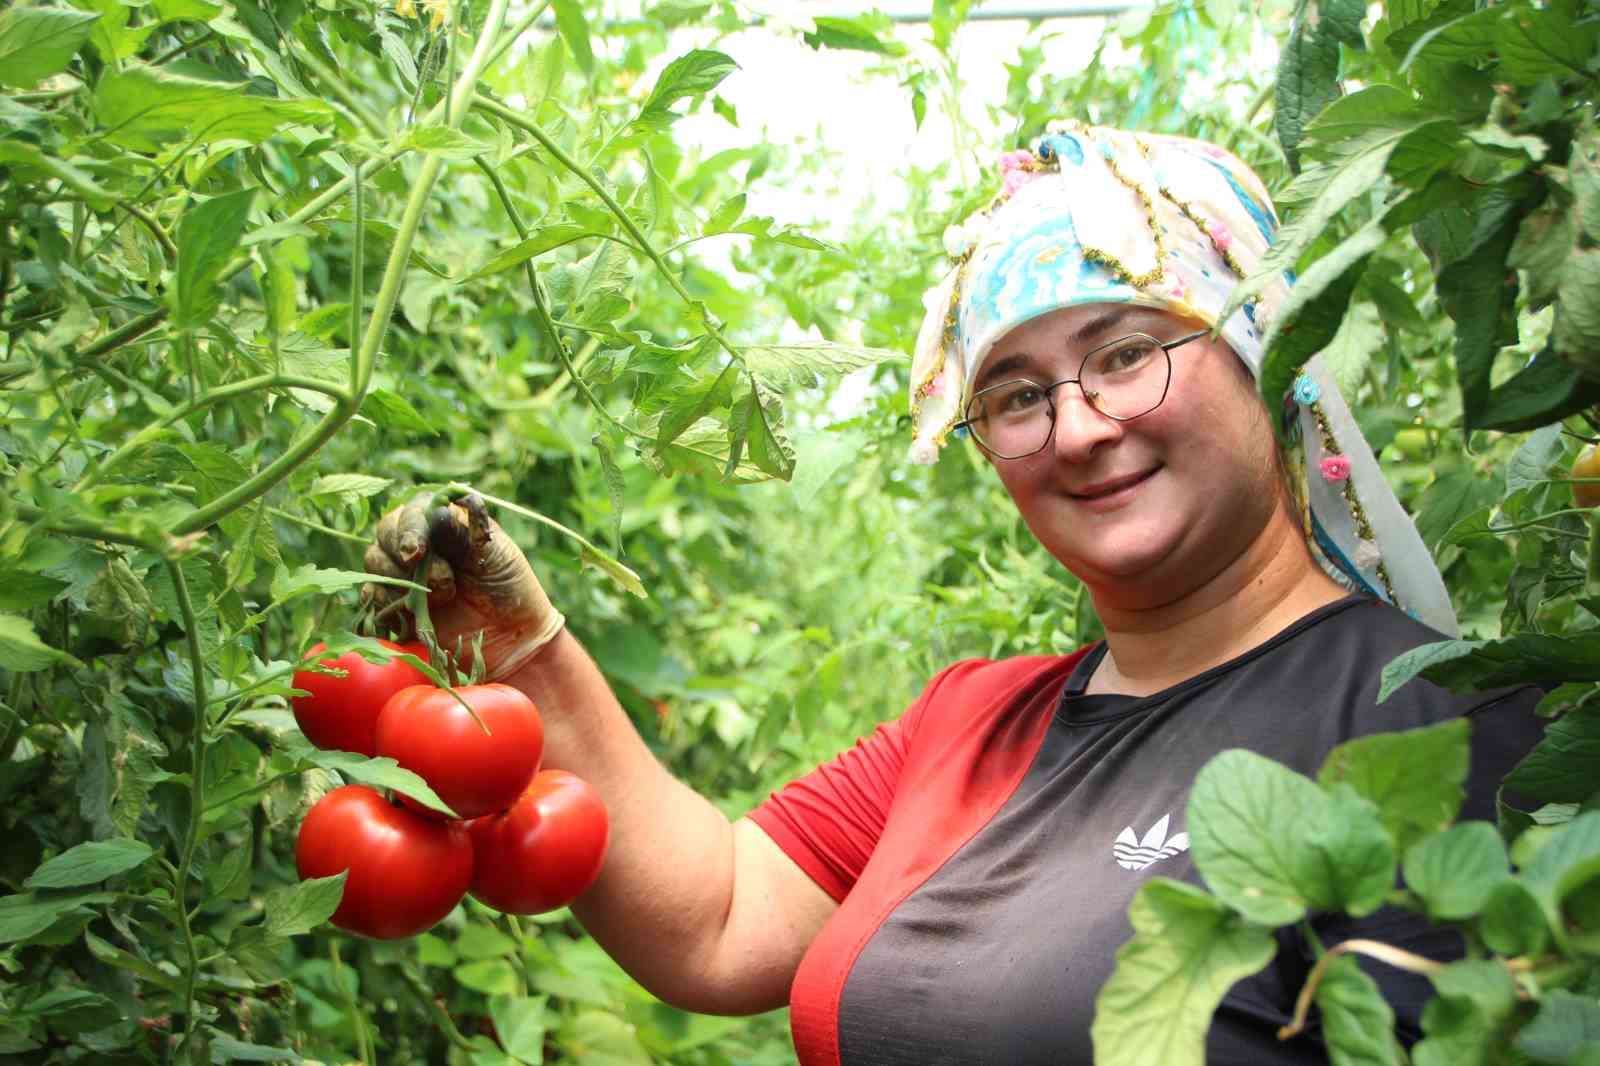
(1271, 585)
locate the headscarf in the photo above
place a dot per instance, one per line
(1099, 215)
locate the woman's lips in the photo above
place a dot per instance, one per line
(1112, 489)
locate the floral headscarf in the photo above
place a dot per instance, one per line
(1099, 215)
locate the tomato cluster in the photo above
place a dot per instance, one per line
(527, 840)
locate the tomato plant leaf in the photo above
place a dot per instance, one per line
(573, 26)
(301, 907)
(349, 486)
(1415, 778)
(871, 32)
(207, 238)
(1569, 861)
(768, 445)
(1456, 870)
(22, 590)
(544, 240)
(782, 366)
(22, 651)
(225, 1048)
(1566, 1024)
(22, 916)
(145, 107)
(1477, 665)
(520, 1023)
(1357, 1022)
(36, 42)
(443, 140)
(691, 74)
(1565, 766)
(381, 772)
(393, 411)
(89, 863)
(1308, 73)
(1187, 950)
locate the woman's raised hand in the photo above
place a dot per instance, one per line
(479, 582)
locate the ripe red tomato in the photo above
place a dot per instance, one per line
(406, 871)
(429, 732)
(341, 713)
(544, 852)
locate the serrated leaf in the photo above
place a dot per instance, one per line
(1565, 766)
(1357, 1022)
(1187, 950)
(616, 487)
(623, 575)
(22, 651)
(691, 74)
(544, 240)
(24, 915)
(1476, 665)
(36, 42)
(871, 32)
(381, 772)
(300, 908)
(1414, 778)
(22, 590)
(442, 140)
(354, 486)
(765, 439)
(795, 365)
(89, 863)
(311, 580)
(393, 411)
(208, 235)
(144, 108)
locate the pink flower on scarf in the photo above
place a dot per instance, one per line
(1335, 468)
(1021, 159)
(1016, 179)
(935, 385)
(1221, 236)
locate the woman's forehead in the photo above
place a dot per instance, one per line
(1070, 330)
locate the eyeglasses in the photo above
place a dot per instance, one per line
(1122, 380)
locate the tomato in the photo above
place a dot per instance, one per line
(1586, 494)
(544, 852)
(406, 871)
(429, 732)
(342, 712)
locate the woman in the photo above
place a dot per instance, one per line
(954, 887)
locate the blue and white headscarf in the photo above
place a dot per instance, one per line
(1099, 215)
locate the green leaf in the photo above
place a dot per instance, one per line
(1478, 665)
(1187, 950)
(24, 915)
(1272, 845)
(520, 1024)
(352, 486)
(1577, 327)
(1512, 922)
(694, 405)
(89, 863)
(860, 33)
(623, 575)
(768, 445)
(22, 154)
(301, 907)
(1565, 766)
(616, 486)
(22, 590)
(1546, 390)
(1566, 1023)
(492, 977)
(1537, 43)
(1570, 861)
(208, 237)
(393, 411)
(545, 240)
(381, 772)
(1462, 1022)
(691, 74)
(1456, 871)
(1357, 1022)
(783, 366)
(478, 941)
(36, 42)
(1474, 291)
(1307, 79)
(309, 580)
(225, 1049)
(573, 26)
(22, 651)
(144, 108)
(445, 141)
(1415, 778)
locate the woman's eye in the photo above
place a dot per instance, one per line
(1022, 399)
(1126, 358)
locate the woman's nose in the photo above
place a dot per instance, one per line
(1080, 428)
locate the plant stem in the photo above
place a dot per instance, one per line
(1374, 949)
(533, 130)
(352, 1004)
(308, 523)
(447, 1024)
(197, 795)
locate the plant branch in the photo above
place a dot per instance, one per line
(1399, 958)
(197, 795)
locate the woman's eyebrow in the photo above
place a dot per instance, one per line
(1005, 364)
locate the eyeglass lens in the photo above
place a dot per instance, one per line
(1122, 380)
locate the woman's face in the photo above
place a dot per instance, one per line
(1143, 511)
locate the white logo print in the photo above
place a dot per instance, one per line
(1135, 854)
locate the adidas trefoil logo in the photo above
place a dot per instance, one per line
(1135, 854)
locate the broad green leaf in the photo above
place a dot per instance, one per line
(1308, 73)
(1536, 43)
(783, 366)
(1474, 292)
(765, 439)
(1357, 1022)
(1569, 862)
(22, 651)
(606, 1040)
(36, 42)
(442, 140)
(1512, 922)
(89, 864)
(1358, 853)
(1477, 665)
(310, 580)
(573, 26)
(479, 941)
(208, 237)
(1565, 767)
(871, 32)
(21, 154)
(1546, 390)
(1187, 950)
(1577, 327)
(393, 411)
(616, 485)
(691, 74)
(1473, 999)
(1566, 1023)
(381, 772)
(1415, 778)
(225, 1049)
(492, 977)
(520, 1024)
(301, 907)
(694, 404)
(1456, 871)
(24, 915)
(144, 108)
(547, 239)
(22, 590)
(354, 486)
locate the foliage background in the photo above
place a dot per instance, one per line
(785, 616)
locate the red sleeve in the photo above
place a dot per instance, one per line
(829, 821)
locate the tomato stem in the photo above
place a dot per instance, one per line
(197, 797)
